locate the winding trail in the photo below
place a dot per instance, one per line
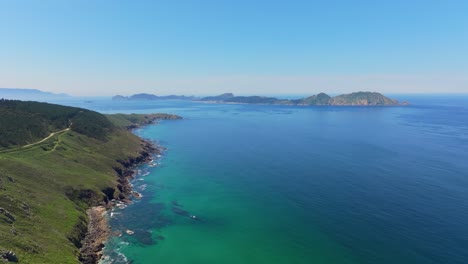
(37, 142)
(44, 139)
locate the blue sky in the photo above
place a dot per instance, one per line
(246, 47)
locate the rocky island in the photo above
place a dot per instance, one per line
(60, 168)
(321, 99)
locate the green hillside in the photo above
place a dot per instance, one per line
(130, 121)
(46, 188)
(23, 123)
(318, 99)
(362, 98)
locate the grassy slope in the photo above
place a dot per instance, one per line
(132, 120)
(35, 181)
(41, 179)
(25, 122)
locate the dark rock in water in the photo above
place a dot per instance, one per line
(160, 237)
(8, 256)
(179, 211)
(175, 203)
(136, 195)
(144, 237)
(182, 212)
(161, 221)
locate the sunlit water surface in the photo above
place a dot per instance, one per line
(281, 184)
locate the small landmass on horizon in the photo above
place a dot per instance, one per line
(321, 99)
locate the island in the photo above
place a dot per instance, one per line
(321, 99)
(61, 168)
(145, 96)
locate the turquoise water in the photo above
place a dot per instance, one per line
(278, 184)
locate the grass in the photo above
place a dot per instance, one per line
(40, 186)
(133, 120)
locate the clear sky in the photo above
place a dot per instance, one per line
(99, 47)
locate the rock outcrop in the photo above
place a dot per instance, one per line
(9, 217)
(98, 230)
(8, 256)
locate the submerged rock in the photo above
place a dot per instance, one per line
(175, 203)
(180, 211)
(144, 237)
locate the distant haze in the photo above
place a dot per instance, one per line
(90, 48)
(256, 85)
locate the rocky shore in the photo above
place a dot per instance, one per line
(98, 228)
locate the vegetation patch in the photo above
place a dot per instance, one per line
(47, 187)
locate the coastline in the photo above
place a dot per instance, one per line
(98, 229)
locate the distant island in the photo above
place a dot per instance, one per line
(145, 96)
(60, 168)
(321, 99)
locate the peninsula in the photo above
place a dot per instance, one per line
(60, 168)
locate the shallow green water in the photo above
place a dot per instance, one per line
(299, 185)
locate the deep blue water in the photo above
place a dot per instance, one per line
(304, 184)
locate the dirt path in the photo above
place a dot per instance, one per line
(35, 143)
(44, 139)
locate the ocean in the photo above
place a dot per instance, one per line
(287, 184)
